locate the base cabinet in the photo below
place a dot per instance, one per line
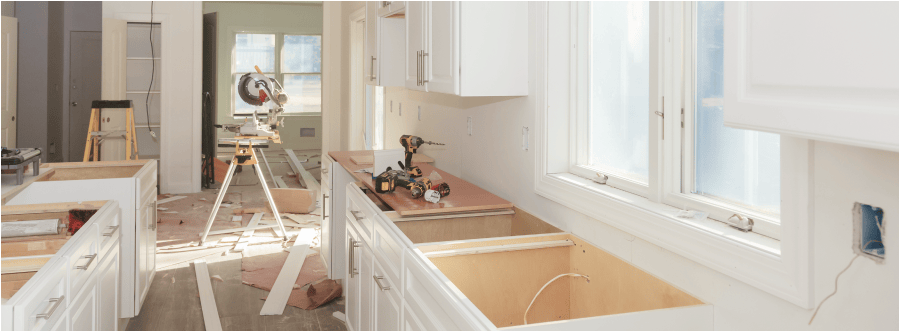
(109, 292)
(386, 301)
(351, 280)
(83, 312)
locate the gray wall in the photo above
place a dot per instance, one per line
(78, 16)
(55, 82)
(8, 8)
(31, 130)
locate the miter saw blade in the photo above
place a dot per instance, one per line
(249, 86)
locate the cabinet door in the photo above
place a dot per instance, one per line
(386, 304)
(351, 279)
(371, 75)
(366, 288)
(415, 41)
(442, 47)
(325, 230)
(82, 313)
(833, 77)
(147, 253)
(109, 291)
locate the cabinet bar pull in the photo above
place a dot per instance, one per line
(325, 170)
(424, 80)
(113, 231)
(353, 212)
(90, 260)
(418, 68)
(378, 281)
(56, 302)
(353, 271)
(372, 67)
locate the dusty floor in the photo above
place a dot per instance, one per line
(173, 303)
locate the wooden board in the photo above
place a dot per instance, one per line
(90, 173)
(26, 264)
(244, 240)
(368, 160)
(220, 170)
(207, 298)
(468, 226)
(9, 288)
(12, 193)
(464, 196)
(289, 200)
(308, 180)
(284, 283)
(97, 163)
(31, 248)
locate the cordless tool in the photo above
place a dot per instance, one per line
(411, 144)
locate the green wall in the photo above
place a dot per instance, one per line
(300, 18)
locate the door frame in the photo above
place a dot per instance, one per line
(356, 75)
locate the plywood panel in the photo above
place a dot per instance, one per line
(525, 223)
(31, 248)
(90, 173)
(617, 286)
(437, 230)
(493, 242)
(289, 200)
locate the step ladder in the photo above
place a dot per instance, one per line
(95, 136)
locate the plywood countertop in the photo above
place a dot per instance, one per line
(464, 196)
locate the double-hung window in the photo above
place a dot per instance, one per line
(294, 60)
(630, 122)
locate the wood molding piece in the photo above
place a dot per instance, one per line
(245, 238)
(284, 283)
(500, 248)
(23, 264)
(279, 183)
(207, 298)
(395, 217)
(308, 180)
(51, 207)
(166, 200)
(242, 229)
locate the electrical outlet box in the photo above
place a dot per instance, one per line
(868, 231)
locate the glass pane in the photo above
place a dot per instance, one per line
(302, 54)
(740, 166)
(254, 50)
(304, 93)
(139, 40)
(240, 107)
(620, 88)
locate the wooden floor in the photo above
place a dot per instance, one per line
(173, 302)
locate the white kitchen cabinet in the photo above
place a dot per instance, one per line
(366, 288)
(385, 46)
(334, 229)
(351, 280)
(832, 78)
(386, 302)
(82, 313)
(133, 185)
(109, 291)
(467, 48)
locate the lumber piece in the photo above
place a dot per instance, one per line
(207, 298)
(23, 264)
(284, 283)
(239, 230)
(244, 240)
(279, 183)
(308, 180)
(291, 200)
(500, 248)
(170, 199)
(30, 228)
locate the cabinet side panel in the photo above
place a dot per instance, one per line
(494, 48)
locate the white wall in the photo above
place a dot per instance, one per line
(493, 159)
(335, 66)
(300, 18)
(181, 85)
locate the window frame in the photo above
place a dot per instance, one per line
(780, 267)
(278, 74)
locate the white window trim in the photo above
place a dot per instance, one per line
(781, 268)
(279, 43)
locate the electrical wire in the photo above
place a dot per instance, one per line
(525, 316)
(152, 72)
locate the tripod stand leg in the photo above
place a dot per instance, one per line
(262, 181)
(215, 209)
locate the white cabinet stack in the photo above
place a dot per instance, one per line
(452, 47)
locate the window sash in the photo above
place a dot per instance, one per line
(671, 156)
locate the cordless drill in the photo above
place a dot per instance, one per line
(411, 144)
(389, 180)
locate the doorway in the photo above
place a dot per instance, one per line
(84, 86)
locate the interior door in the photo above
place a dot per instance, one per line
(442, 46)
(415, 35)
(371, 43)
(84, 87)
(10, 31)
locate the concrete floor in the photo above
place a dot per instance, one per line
(173, 303)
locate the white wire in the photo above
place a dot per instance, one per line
(525, 317)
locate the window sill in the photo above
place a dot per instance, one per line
(748, 257)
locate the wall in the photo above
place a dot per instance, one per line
(77, 16)
(335, 66)
(8, 8)
(181, 86)
(494, 159)
(31, 128)
(301, 18)
(55, 81)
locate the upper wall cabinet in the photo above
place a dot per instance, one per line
(385, 44)
(467, 48)
(390, 8)
(830, 76)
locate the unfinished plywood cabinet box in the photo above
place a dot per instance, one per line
(76, 288)
(132, 184)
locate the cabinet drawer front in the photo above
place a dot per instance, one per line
(146, 182)
(47, 305)
(360, 213)
(388, 251)
(110, 230)
(83, 259)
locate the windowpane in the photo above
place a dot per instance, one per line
(304, 93)
(254, 50)
(620, 88)
(740, 166)
(302, 54)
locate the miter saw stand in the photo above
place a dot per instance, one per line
(245, 154)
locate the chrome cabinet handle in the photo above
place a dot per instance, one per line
(372, 67)
(418, 68)
(353, 270)
(378, 282)
(325, 171)
(424, 80)
(113, 231)
(90, 260)
(56, 302)
(353, 212)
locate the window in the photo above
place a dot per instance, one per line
(294, 60)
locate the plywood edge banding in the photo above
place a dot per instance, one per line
(500, 248)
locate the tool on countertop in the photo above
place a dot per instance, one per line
(18, 159)
(411, 144)
(389, 180)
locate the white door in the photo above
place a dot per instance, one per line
(109, 292)
(371, 43)
(415, 41)
(385, 306)
(82, 313)
(442, 47)
(10, 31)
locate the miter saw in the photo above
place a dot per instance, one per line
(268, 97)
